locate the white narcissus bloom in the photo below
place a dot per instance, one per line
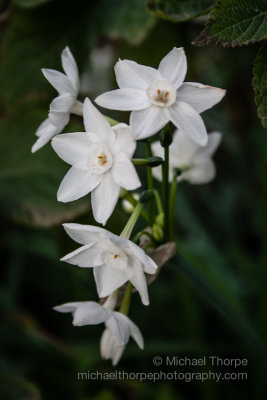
(194, 160)
(101, 162)
(156, 97)
(114, 259)
(67, 86)
(118, 330)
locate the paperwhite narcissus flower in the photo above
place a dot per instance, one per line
(67, 86)
(101, 162)
(114, 259)
(194, 160)
(118, 330)
(156, 97)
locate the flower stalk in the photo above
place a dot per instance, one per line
(125, 304)
(176, 173)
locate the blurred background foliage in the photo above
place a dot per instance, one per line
(211, 299)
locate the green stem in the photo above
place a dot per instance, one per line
(150, 183)
(158, 201)
(165, 183)
(130, 198)
(125, 304)
(144, 198)
(176, 172)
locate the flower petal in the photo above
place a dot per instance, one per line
(104, 198)
(59, 81)
(124, 173)
(59, 118)
(77, 183)
(110, 348)
(85, 312)
(138, 279)
(124, 140)
(150, 267)
(67, 307)
(173, 66)
(136, 334)
(203, 171)
(147, 122)
(95, 122)
(183, 149)
(214, 139)
(72, 147)
(87, 256)
(85, 234)
(129, 74)
(186, 118)
(90, 313)
(126, 99)
(118, 325)
(198, 96)
(109, 279)
(64, 103)
(45, 132)
(70, 68)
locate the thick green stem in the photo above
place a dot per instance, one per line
(176, 173)
(150, 183)
(125, 304)
(165, 184)
(144, 198)
(158, 201)
(130, 198)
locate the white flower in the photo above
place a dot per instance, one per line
(118, 330)
(115, 260)
(101, 162)
(195, 161)
(156, 97)
(67, 86)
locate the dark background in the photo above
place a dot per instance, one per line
(212, 304)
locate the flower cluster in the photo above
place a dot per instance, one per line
(102, 163)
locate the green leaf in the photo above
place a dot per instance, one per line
(13, 387)
(260, 83)
(124, 19)
(29, 182)
(217, 300)
(179, 10)
(30, 3)
(235, 23)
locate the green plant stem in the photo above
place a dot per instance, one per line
(150, 183)
(158, 201)
(165, 186)
(130, 198)
(176, 172)
(125, 304)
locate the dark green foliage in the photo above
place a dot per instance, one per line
(179, 10)
(235, 23)
(260, 83)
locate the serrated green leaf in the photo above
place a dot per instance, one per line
(235, 23)
(179, 10)
(29, 182)
(260, 83)
(31, 3)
